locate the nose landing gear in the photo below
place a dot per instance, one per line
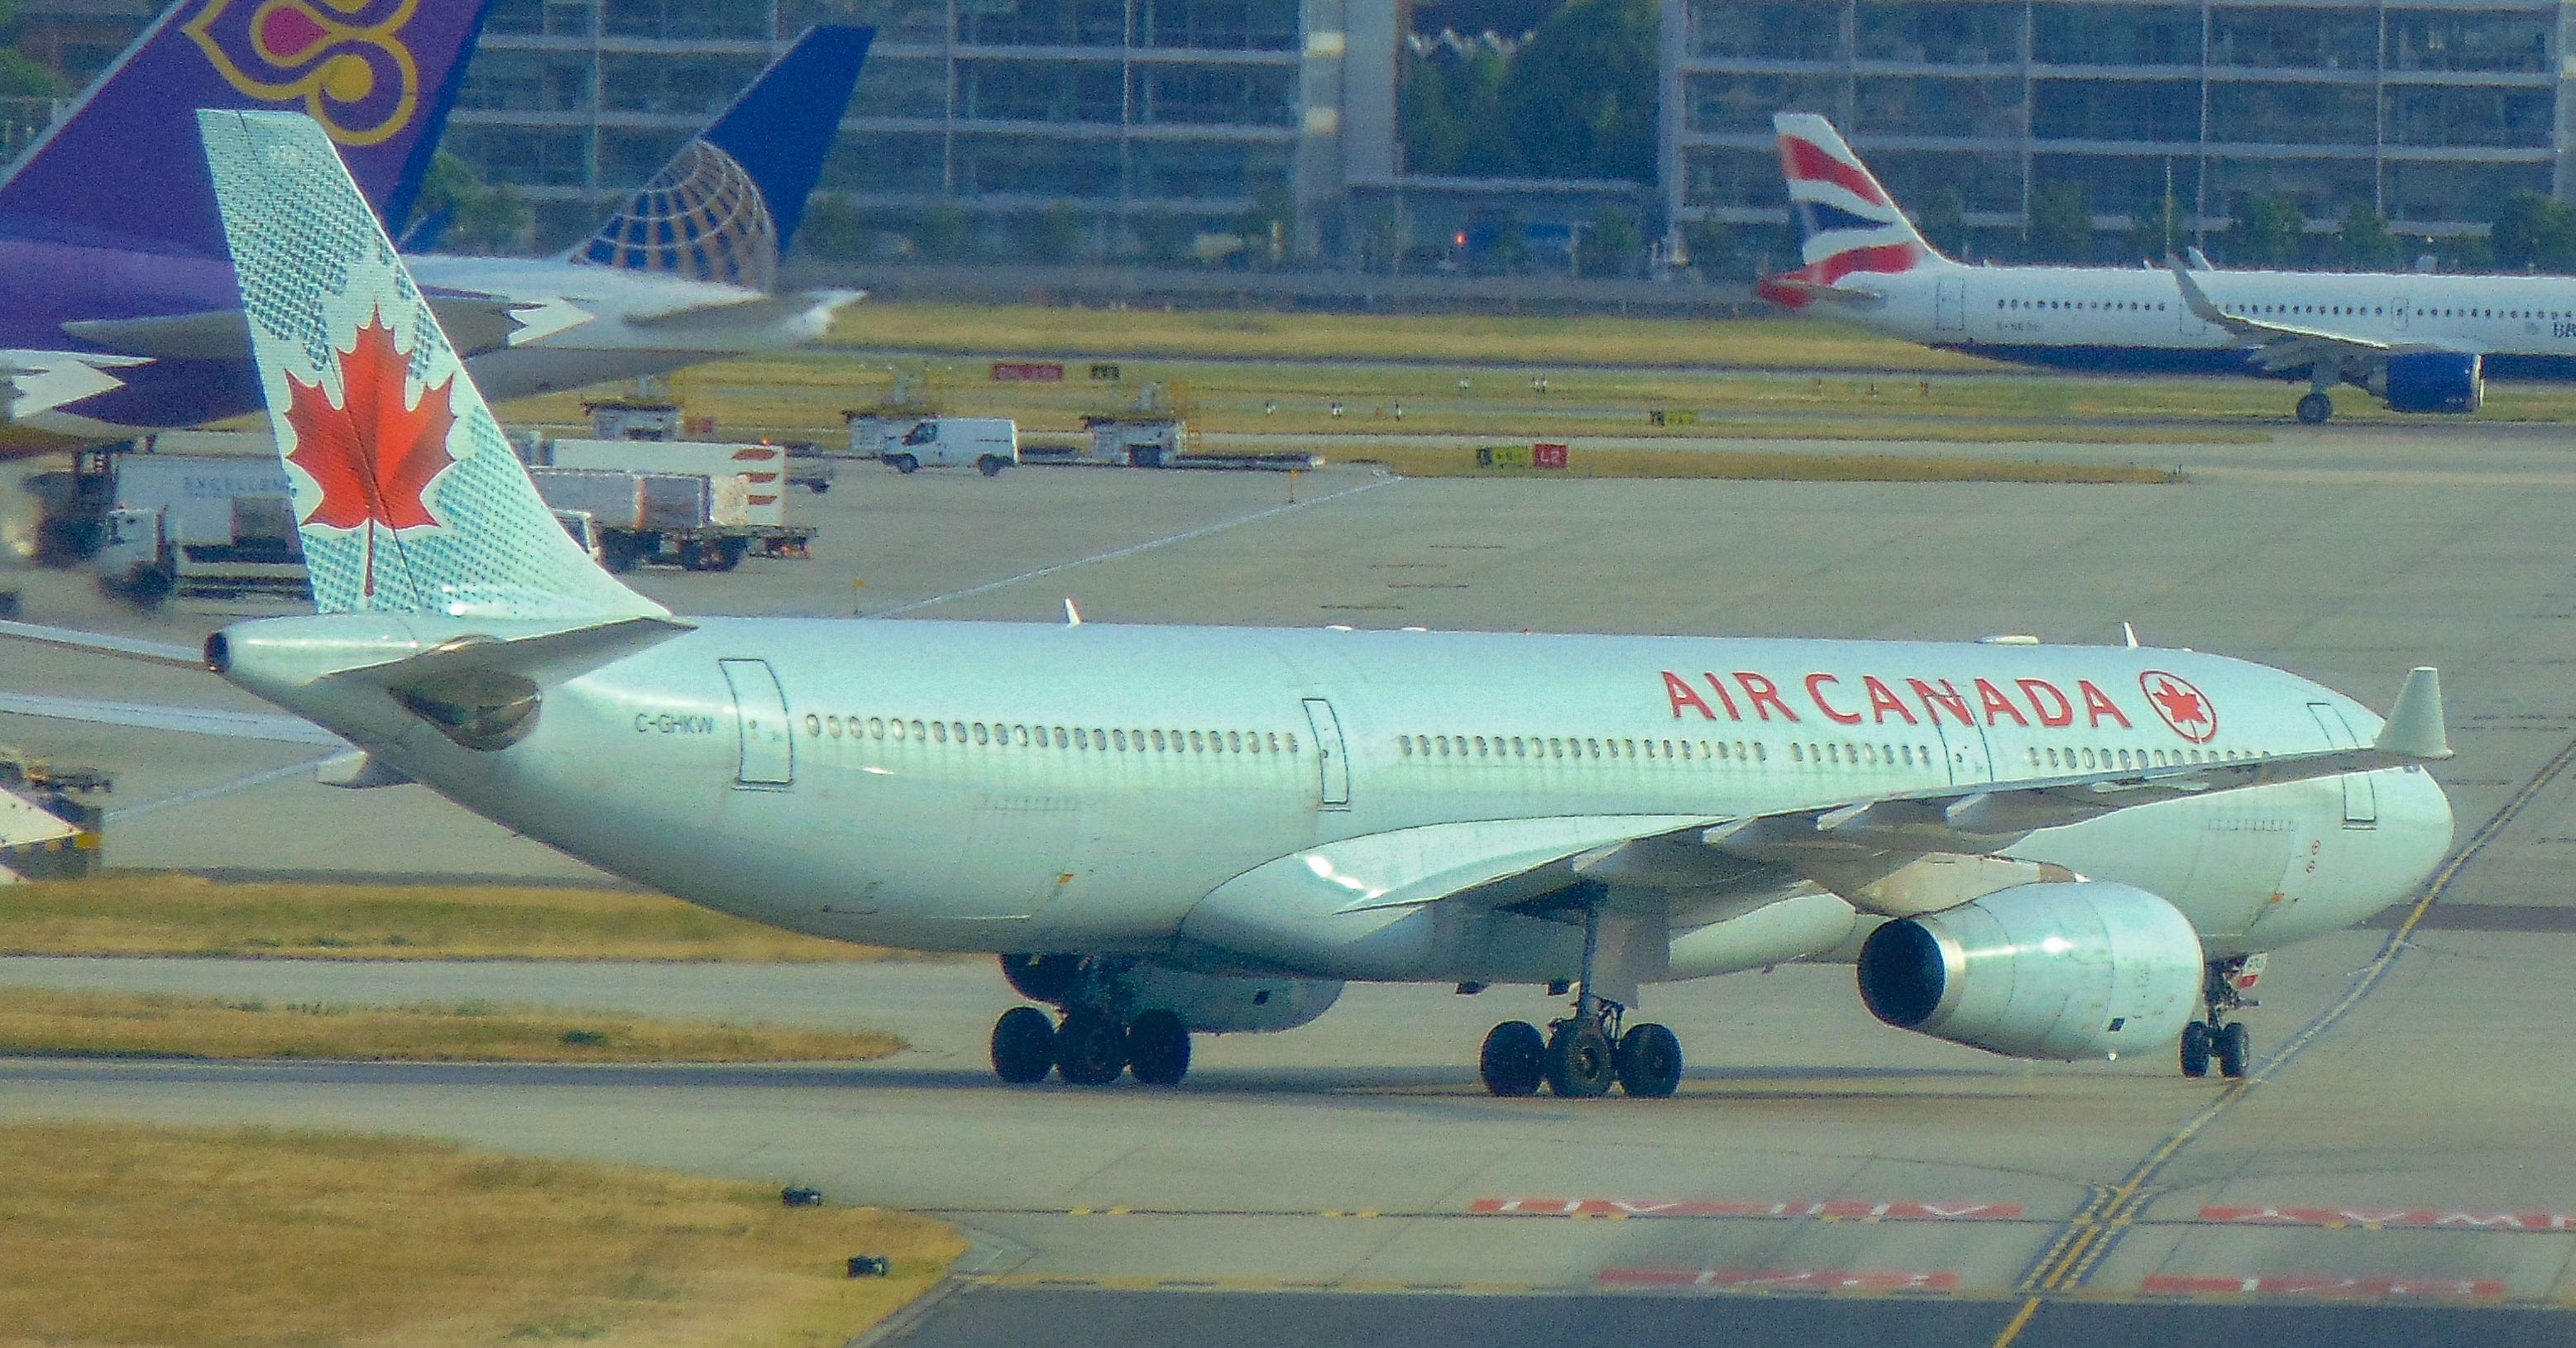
(2223, 989)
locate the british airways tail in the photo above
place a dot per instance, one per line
(378, 75)
(407, 497)
(1849, 223)
(727, 205)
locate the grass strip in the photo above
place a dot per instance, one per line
(1761, 467)
(39, 1022)
(253, 1238)
(1766, 343)
(150, 913)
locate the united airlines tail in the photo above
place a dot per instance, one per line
(407, 496)
(727, 205)
(1849, 223)
(377, 75)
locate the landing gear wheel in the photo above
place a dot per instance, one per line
(1158, 1048)
(2195, 1049)
(1580, 1062)
(1023, 1045)
(1515, 1059)
(2315, 408)
(991, 465)
(1090, 1049)
(1649, 1062)
(2233, 1049)
(903, 463)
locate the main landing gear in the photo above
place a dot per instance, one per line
(2223, 989)
(1582, 1055)
(2315, 409)
(1096, 1042)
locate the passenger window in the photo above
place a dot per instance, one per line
(1480, 746)
(1632, 747)
(2088, 760)
(1158, 741)
(2124, 758)
(1404, 745)
(1234, 741)
(1797, 754)
(1593, 747)
(1721, 751)
(1060, 740)
(813, 725)
(1020, 735)
(1197, 745)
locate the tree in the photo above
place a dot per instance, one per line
(2061, 224)
(1945, 222)
(1269, 225)
(466, 214)
(1162, 237)
(2265, 230)
(2161, 231)
(2364, 243)
(1713, 248)
(1489, 148)
(834, 230)
(1052, 236)
(1612, 244)
(942, 233)
(2534, 231)
(1580, 102)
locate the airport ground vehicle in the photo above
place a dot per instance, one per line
(701, 505)
(991, 444)
(185, 524)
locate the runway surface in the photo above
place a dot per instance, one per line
(2401, 1179)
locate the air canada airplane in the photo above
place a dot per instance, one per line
(122, 315)
(2046, 852)
(2420, 343)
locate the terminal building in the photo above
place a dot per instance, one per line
(1142, 130)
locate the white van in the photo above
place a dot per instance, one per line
(990, 443)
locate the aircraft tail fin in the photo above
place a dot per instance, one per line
(1848, 221)
(726, 207)
(379, 75)
(407, 496)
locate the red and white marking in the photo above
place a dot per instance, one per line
(2407, 1217)
(2347, 1289)
(1779, 1279)
(1838, 1209)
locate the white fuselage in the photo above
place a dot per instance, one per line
(2140, 309)
(994, 787)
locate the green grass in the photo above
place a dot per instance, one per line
(145, 913)
(1767, 467)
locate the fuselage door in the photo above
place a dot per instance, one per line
(760, 714)
(1970, 761)
(1950, 304)
(1333, 770)
(2360, 793)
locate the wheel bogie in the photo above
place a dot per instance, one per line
(1158, 1048)
(1023, 1045)
(2233, 1048)
(1090, 1049)
(1514, 1060)
(1581, 1061)
(1649, 1062)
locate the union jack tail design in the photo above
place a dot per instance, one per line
(407, 496)
(1850, 223)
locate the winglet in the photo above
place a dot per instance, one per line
(2414, 728)
(2193, 297)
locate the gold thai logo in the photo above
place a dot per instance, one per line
(344, 59)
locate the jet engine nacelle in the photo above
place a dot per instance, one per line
(2435, 381)
(2074, 970)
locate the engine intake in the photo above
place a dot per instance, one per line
(2435, 381)
(2066, 971)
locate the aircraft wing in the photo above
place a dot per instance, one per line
(751, 310)
(2278, 346)
(39, 381)
(474, 323)
(1894, 855)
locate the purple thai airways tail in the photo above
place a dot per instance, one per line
(122, 169)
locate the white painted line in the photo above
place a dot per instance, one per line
(223, 789)
(1131, 550)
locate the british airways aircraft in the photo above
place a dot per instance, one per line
(2420, 343)
(2045, 852)
(122, 316)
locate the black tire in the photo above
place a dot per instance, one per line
(1649, 1062)
(1042, 978)
(1515, 1059)
(2234, 1050)
(1581, 1063)
(726, 554)
(991, 465)
(1090, 1049)
(904, 463)
(2315, 409)
(1023, 1045)
(1145, 456)
(1158, 1048)
(618, 553)
(2195, 1049)
(818, 488)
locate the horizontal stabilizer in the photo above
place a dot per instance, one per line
(549, 658)
(249, 725)
(2414, 728)
(102, 643)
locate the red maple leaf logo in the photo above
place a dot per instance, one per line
(2183, 708)
(371, 455)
